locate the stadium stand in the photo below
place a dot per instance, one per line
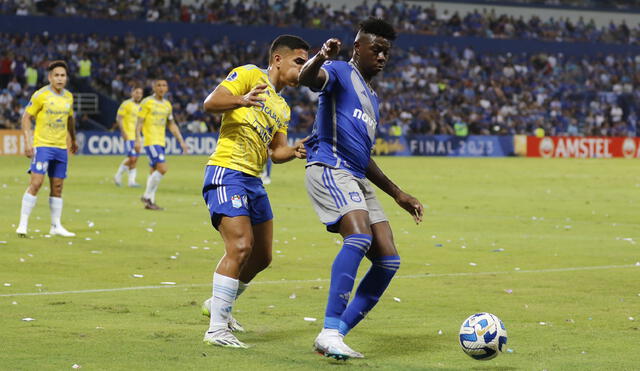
(426, 90)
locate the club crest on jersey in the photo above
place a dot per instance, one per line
(236, 201)
(355, 196)
(232, 76)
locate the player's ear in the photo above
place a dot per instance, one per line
(277, 60)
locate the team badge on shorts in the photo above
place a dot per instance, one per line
(355, 196)
(236, 201)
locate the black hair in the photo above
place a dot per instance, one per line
(290, 41)
(58, 63)
(378, 27)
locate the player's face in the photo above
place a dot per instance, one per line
(58, 78)
(290, 64)
(136, 94)
(160, 88)
(373, 53)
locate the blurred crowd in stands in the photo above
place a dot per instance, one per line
(433, 90)
(407, 17)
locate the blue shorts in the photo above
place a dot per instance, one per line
(130, 148)
(155, 154)
(50, 160)
(233, 193)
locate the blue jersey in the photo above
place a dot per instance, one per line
(345, 125)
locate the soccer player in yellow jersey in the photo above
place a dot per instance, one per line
(127, 117)
(52, 108)
(154, 118)
(254, 124)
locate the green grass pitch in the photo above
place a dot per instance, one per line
(554, 246)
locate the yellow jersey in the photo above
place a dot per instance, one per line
(128, 110)
(246, 132)
(52, 112)
(155, 114)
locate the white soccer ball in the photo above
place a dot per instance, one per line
(483, 336)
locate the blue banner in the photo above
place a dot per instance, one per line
(107, 143)
(445, 145)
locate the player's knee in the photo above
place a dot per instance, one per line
(242, 250)
(35, 185)
(264, 262)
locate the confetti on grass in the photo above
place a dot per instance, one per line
(310, 319)
(138, 275)
(397, 299)
(28, 319)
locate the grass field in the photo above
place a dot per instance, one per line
(549, 239)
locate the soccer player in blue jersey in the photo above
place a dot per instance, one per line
(339, 169)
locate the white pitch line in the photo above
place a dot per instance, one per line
(276, 282)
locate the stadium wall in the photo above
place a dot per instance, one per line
(265, 34)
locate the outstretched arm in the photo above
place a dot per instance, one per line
(281, 152)
(71, 128)
(311, 75)
(405, 200)
(221, 99)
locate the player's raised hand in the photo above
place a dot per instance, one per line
(253, 98)
(412, 205)
(330, 48)
(300, 150)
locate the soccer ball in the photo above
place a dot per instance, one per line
(483, 336)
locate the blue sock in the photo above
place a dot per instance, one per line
(369, 291)
(343, 273)
(269, 167)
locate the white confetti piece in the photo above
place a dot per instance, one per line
(509, 350)
(22, 260)
(28, 319)
(397, 299)
(138, 275)
(433, 236)
(278, 252)
(75, 365)
(77, 210)
(6, 284)
(542, 323)
(310, 319)
(508, 291)
(292, 296)
(99, 328)
(637, 264)
(463, 247)
(38, 285)
(167, 283)
(294, 238)
(69, 243)
(14, 302)
(473, 264)
(206, 248)
(173, 257)
(37, 231)
(516, 269)
(631, 319)
(96, 252)
(194, 247)
(439, 332)
(149, 229)
(47, 236)
(87, 238)
(271, 306)
(3, 242)
(90, 223)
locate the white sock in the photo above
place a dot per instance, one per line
(224, 293)
(241, 287)
(28, 202)
(121, 169)
(152, 186)
(55, 205)
(132, 176)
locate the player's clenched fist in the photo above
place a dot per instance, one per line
(330, 48)
(253, 98)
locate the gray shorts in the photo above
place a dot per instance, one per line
(335, 192)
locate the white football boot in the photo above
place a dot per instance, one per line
(330, 343)
(22, 230)
(223, 337)
(234, 325)
(59, 230)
